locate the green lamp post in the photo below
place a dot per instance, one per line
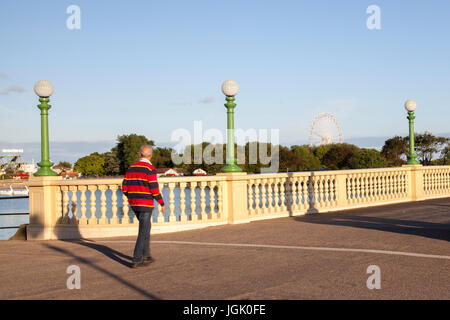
(44, 89)
(230, 88)
(410, 106)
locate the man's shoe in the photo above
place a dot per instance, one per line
(135, 265)
(147, 261)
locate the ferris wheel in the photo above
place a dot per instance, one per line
(325, 130)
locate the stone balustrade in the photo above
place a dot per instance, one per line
(96, 208)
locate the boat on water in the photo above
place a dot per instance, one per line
(21, 192)
(14, 192)
(7, 192)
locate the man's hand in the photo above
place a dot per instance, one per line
(163, 208)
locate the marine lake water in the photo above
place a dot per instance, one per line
(14, 212)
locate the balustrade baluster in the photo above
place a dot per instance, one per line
(220, 199)
(294, 194)
(273, 197)
(282, 189)
(183, 216)
(397, 184)
(305, 197)
(276, 195)
(375, 186)
(201, 215)
(59, 206)
(83, 220)
(351, 197)
(335, 196)
(384, 185)
(360, 190)
(66, 218)
(193, 216)
(366, 187)
(264, 199)
(289, 187)
(74, 209)
(372, 186)
(114, 218)
(103, 219)
(258, 197)
(92, 219)
(310, 190)
(125, 208)
(390, 185)
(212, 199)
(327, 189)
(250, 199)
(172, 217)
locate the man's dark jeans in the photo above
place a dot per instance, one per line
(142, 248)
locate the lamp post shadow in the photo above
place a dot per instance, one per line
(384, 218)
(309, 197)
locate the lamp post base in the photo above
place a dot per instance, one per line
(412, 160)
(231, 168)
(45, 172)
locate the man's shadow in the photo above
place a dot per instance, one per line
(107, 251)
(76, 237)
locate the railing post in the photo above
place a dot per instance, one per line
(341, 190)
(416, 184)
(42, 204)
(235, 197)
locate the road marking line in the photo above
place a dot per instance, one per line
(399, 253)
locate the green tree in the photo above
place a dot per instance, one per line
(65, 165)
(445, 153)
(128, 149)
(394, 149)
(162, 158)
(254, 153)
(111, 166)
(288, 160)
(198, 155)
(427, 145)
(367, 158)
(338, 155)
(308, 161)
(321, 150)
(91, 165)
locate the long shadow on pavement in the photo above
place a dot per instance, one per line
(107, 251)
(358, 218)
(106, 272)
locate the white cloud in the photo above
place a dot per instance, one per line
(10, 89)
(207, 100)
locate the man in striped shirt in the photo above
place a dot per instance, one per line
(140, 186)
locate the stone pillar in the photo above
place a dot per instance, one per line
(42, 206)
(416, 183)
(341, 190)
(235, 197)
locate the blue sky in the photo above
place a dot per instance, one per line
(150, 67)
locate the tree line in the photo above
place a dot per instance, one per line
(430, 150)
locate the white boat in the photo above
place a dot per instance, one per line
(23, 192)
(9, 192)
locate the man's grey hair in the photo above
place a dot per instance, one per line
(148, 152)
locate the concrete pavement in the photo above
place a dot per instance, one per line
(321, 256)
